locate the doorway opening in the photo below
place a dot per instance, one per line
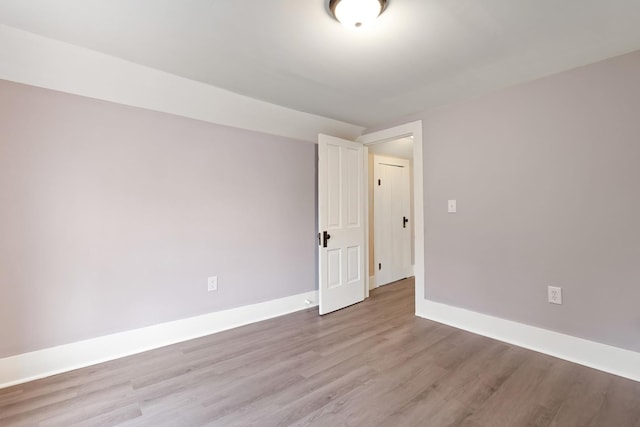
(391, 254)
(410, 131)
(343, 216)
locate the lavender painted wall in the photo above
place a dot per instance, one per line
(547, 179)
(111, 217)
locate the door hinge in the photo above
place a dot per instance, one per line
(379, 266)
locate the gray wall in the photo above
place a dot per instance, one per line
(547, 179)
(111, 217)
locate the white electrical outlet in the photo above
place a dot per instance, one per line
(554, 294)
(212, 283)
(452, 206)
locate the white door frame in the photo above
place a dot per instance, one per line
(410, 129)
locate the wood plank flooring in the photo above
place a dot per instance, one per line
(372, 364)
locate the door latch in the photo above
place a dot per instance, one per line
(405, 220)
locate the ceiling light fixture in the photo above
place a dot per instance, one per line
(356, 13)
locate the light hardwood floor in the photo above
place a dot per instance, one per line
(373, 364)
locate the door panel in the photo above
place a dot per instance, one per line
(353, 264)
(392, 203)
(354, 186)
(334, 268)
(334, 194)
(340, 214)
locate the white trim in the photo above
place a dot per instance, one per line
(372, 282)
(368, 283)
(40, 61)
(43, 363)
(410, 129)
(602, 357)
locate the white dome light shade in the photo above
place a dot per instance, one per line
(356, 13)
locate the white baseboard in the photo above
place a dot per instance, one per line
(614, 360)
(50, 361)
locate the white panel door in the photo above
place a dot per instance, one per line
(392, 227)
(341, 223)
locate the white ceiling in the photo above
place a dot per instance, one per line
(401, 148)
(419, 55)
